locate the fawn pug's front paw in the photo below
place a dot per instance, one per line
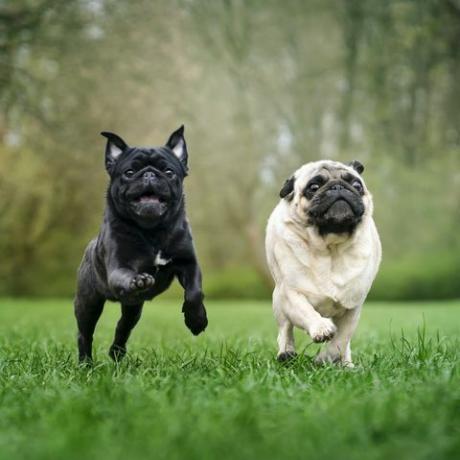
(322, 330)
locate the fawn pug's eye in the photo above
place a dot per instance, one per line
(315, 184)
(356, 184)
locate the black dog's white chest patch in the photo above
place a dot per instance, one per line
(160, 260)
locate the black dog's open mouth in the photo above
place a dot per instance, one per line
(149, 198)
(149, 205)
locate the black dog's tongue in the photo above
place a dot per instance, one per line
(339, 211)
(149, 199)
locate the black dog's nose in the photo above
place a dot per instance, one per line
(149, 176)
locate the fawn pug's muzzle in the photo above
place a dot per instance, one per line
(336, 208)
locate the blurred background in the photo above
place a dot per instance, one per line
(262, 86)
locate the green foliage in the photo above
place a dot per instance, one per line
(235, 283)
(223, 395)
(431, 276)
(260, 91)
(38, 235)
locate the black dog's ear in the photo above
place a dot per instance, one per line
(114, 148)
(288, 189)
(176, 143)
(357, 166)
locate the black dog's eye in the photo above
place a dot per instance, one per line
(129, 172)
(357, 185)
(170, 173)
(313, 188)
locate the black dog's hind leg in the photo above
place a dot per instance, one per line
(88, 310)
(130, 315)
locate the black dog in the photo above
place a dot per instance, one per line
(144, 242)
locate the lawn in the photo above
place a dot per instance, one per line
(222, 395)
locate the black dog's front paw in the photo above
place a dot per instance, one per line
(195, 319)
(137, 285)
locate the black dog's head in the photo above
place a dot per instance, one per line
(146, 182)
(329, 195)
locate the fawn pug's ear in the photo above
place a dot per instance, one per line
(114, 148)
(288, 189)
(357, 166)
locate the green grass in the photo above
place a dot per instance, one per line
(223, 395)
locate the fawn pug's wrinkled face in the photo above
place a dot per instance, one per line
(146, 183)
(328, 195)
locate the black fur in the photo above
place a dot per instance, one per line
(144, 242)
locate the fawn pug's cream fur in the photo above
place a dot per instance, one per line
(323, 251)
